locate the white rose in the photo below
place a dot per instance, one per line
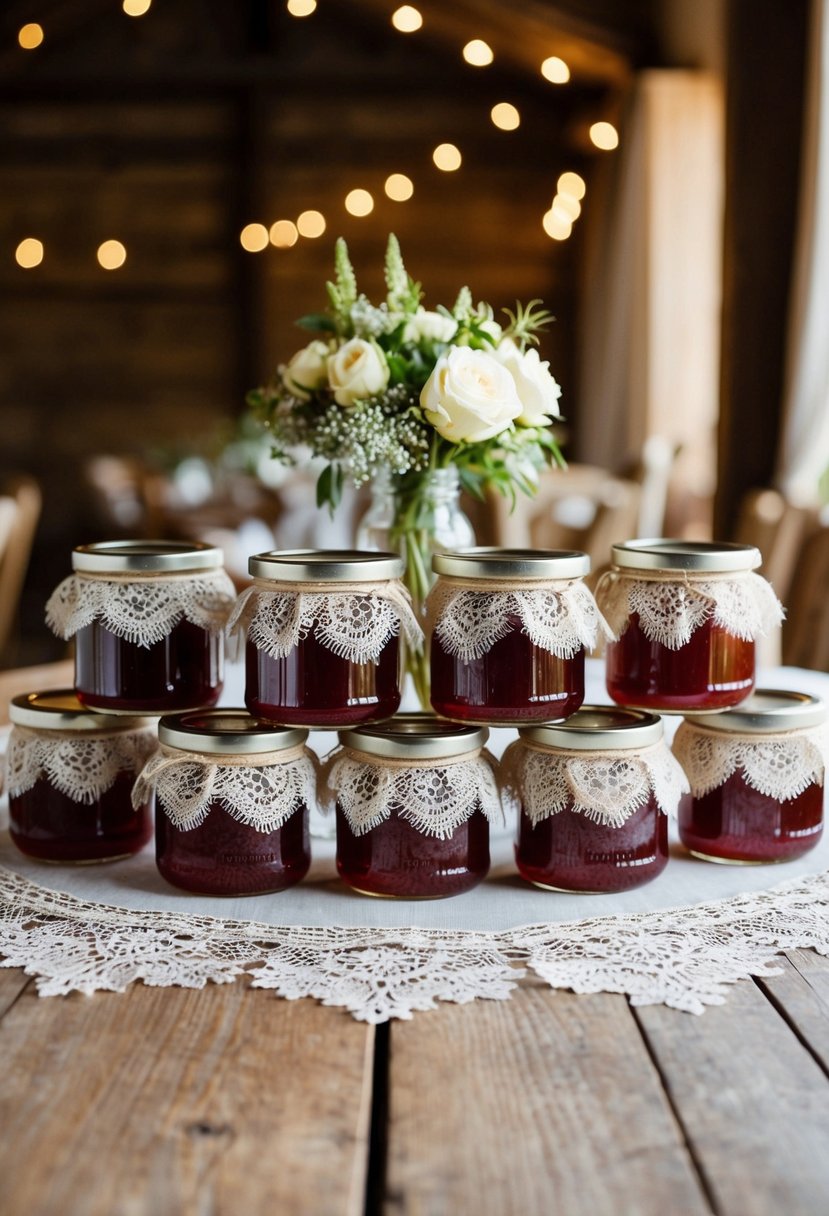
(357, 370)
(469, 396)
(537, 389)
(307, 371)
(429, 326)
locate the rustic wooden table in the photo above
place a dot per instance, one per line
(231, 1101)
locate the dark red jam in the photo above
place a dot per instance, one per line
(737, 823)
(49, 825)
(569, 852)
(515, 681)
(714, 670)
(394, 859)
(182, 671)
(312, 686)
(225, 857)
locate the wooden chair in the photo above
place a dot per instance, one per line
(779, 530)
(806, 628)
(23, 493)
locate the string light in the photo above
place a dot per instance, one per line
(505, 116)
(566, 207)
(478, 53)
(301, 8)
(30, 36)
(359, 202)
(29, 253)
(399, 188)
(555, 70)
(311, 224)
(604, 136)
(283, 234)
(136, 8)
(555, 226)
(254, 238)
(112, 255)
(406, 19)
(447, 157)
(571, 185)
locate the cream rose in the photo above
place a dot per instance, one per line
(358, 369)
(429, 326)
(537, 389)
(469, 396)
(307, 371)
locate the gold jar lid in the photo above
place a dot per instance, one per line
(415, 736)
(326, 566)
(230, 732)
(692, 556)
(146, 557)
(60, 709)
(595, 728)
(768, 711)
(487, 562)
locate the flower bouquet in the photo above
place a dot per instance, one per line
(396, 390)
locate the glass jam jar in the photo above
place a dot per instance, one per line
(69, 775)
(756, 777)
(232, 802)
(148, 619)
(686, 614)
(323, 645)
(414, 799)
(594, 793)
(509, 628)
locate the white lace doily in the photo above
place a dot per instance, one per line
(79, 766)
(435, 799)
(354, 623)
(669, 612)
(262, 796)
(561, 619)
(781, 766)
(606, 788)
(143, 611)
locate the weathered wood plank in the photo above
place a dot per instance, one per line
(803, 993)
(545, 1103)
(753, 1103)
(159, 1101)
(30, 679)
(12, 982)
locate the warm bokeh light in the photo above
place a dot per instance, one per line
(478, 53)
(301, 8)
(605, 136)
(447, 157)
(254, 238)
(30, 36)
(556, 227)
(555, 70)
(310, 224)
(283, 234)
(505, 116)
(399, 188)
(566, 207)
(571, 185)
(112, 255)
(136, 8)
(359, 202)
(29, 252)
(406, 19)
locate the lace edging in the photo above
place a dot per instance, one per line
(680, 957)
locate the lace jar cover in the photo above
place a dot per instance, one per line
(558, 616)
(355, 621)
(606, 787)
(671, 607)
(141, 609)
(780, 765)
(434, 796)
(81, 768)
(261, 791)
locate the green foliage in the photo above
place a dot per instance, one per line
(342, 293)
(526, 321)
(404, 294)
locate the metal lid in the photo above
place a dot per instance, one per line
(486, 562)
(594, 728)
(230, 732)
(146, 556)
(767, 711)
(691, 555)
(326, 565)
(415, 736)
(60, 709)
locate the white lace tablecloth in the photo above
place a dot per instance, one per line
(678, 940)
